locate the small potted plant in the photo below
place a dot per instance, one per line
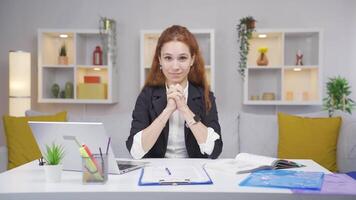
(63, 58)
(53, 158)
(245, 28)
(338, 96)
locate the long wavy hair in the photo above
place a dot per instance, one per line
(196, 74)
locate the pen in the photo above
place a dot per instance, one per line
(107, 147)
(169, 172)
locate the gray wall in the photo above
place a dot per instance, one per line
(20, 19)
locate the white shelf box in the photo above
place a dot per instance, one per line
(58, 75)
(86, 44)
(80, 47)
(262, 81)
(51, 44)
(306, 42)
(293, 85)
(150, 41)
(203, 40)
(301, 86)
(273, 41)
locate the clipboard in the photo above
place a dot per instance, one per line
(176, 175)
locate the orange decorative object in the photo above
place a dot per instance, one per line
(91, 79)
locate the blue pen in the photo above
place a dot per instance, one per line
(169, 172)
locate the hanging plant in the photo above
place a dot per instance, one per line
(338, 92)
(244, 28)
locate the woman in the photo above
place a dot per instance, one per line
(175, 115)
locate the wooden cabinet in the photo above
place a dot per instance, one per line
(283, 81)
(90, 83)
(206, 41)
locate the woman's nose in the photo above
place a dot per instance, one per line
(175, 64)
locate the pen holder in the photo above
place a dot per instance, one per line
(95, 169)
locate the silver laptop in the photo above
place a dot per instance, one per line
(90, 133)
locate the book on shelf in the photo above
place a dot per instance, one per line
(247, 163)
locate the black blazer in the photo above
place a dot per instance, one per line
(149, 105)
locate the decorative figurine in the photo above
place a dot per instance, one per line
(55, 90)
(299, 58)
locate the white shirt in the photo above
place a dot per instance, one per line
(176, 142)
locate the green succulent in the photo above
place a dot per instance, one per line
(54, 154)
(338, 92)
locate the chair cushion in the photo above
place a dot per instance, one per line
(22, 146)
(309, 138)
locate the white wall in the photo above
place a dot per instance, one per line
(20, 19)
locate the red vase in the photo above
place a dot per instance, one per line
(98, 56)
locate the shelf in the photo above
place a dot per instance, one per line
(301, 85)
(51, 44)
(274, 43)
(86, 43)
(290, 83)
(99, 87)
(264, 81)
(307, 42)
(52, 75)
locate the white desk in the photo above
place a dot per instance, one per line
(28, 182)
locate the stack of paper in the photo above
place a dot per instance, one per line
(179, 175)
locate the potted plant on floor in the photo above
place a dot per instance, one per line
(53, 167)
(338, 96)
(244, 28)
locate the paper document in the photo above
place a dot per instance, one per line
(175, 175)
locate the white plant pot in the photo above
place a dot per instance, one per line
(53, 173)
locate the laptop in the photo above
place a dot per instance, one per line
(92, 134)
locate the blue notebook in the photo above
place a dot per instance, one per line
(285, 179)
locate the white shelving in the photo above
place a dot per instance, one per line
(80, 45)
(288, 83)
(206, 41)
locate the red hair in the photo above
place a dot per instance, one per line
(196, 75)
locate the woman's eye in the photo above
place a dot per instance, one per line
(182, 58)
(167, 58)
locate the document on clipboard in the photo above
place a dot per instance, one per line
(174, 175)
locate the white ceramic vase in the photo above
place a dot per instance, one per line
(53, 173)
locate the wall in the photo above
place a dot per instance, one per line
(20, 19)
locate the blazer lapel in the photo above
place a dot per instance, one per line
(194, 99)
(159, 102)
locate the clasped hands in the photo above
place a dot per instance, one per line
(175, 98)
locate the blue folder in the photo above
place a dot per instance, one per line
(285, 179)
(206, 180)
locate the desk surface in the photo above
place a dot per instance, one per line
(28, 182)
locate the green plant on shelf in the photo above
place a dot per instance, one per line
(244, 29)
(63, 51)
(338, 96)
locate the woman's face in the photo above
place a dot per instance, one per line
(176, 61)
